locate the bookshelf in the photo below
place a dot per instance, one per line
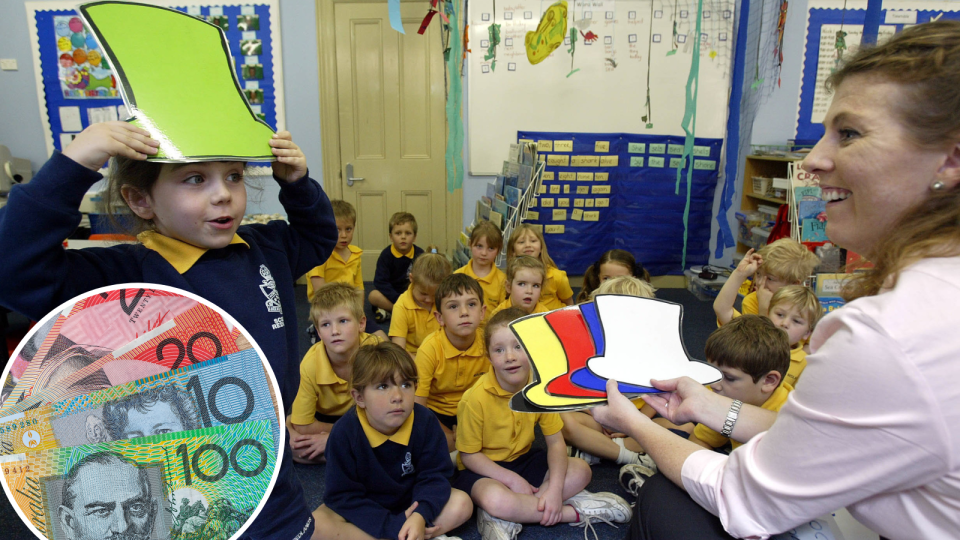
(767, 167)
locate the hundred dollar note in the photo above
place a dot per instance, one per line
(194, 484)
(227, 390)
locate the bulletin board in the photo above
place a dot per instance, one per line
(76, 86)
(824, 19)
(603, 191)
(624, 52)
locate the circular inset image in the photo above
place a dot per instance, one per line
(149, 405)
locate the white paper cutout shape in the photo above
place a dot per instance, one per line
(635, 354)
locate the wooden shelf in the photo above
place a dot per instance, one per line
(773, 200)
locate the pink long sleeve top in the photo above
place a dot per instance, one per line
(874, 425)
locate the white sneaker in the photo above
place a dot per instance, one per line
(492, 528)
(591, 459)
(633, 476)
(446, 537)
(593, 507)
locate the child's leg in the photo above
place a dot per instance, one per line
(451, 436)
(582, 431)
(500, 502)
(456, 512)
(373, 327)
(379, 300)
(331, 526)
(578, 476)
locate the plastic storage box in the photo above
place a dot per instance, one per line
(704, 289)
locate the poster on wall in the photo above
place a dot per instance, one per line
(83, 71)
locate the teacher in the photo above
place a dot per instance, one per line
(874, 424)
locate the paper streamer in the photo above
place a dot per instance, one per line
(454, 60)
(396, 22)
(689, 125)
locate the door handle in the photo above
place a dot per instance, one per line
(350, 178)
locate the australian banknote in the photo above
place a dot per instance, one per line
(192, 484)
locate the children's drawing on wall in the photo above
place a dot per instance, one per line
(84, 73)
(549, 33)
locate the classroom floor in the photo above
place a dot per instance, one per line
(698, 323)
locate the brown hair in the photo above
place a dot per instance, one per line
(802, 298)
(524, 261)
(752, 344)
(591, 278)
(430, 269)
(457, 284)
(334, 295)
(501, 319)
(400, 218)
(523, 229)
(379, 363)
(788, 260)
(489, 232)
(925, 61)
(344, 210)
(628, 285)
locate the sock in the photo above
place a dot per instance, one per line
(453, 457)
(626, 456)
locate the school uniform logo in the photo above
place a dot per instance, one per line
(269, 289)
(407, 465)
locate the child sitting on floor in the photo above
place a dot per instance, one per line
(508, 482)
(393, 265)
(413, 315)
(387, 467)
(525, 277)
(795, 309)
(528, 240)
(485, 244)
(451, 359)
(324, 396)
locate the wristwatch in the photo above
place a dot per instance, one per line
(731, 418)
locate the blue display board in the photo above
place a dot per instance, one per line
(809, 131)
(73, 85)
(629, 182)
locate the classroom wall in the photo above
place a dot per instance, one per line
(20, 127)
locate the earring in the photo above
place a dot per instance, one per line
(937, 186)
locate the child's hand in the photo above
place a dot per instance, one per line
(99, 142)
(749, 264)
(414, 527)
(764, 295)
(291, 164)
(518, 485)
(309, 446)
(551, 504)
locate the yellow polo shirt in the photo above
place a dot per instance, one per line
(555, 289)
(773, 403)
(376, 438)
(508, 303)
(411, 321)
(798, 362)
(336, 269)
(445, 372)
(493, 285)
(485, 423)
(321, 390)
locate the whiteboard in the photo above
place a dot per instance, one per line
(602, 86)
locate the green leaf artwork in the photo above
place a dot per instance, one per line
(178, 83)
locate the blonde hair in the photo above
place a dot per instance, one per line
(489, 232)
(924, 60)
(519, 263)
(802, 298)
(335, 295)
(344, 210)
(430, 269)
(628, 285)
(523, 229)
(399, 218)
(379, 363)
(788, 260)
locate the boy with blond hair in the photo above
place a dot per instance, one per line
(795, 309)
(413, 315)
(486, 241)
(451, 359)
(754, 356)
(324, 395)
(524, 282)
(784, 262)
(344, 263)
(393, 267)
(388, 475)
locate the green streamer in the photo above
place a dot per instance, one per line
(454, 155)
(689, 125)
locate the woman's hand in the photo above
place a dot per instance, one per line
(619, 413)
(291, 164)
(681, 401)
(99, 142)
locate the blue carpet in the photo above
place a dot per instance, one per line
(698, 322)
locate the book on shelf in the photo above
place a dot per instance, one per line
(497, 219)
(512, 195)
(810, 209)
(526, 175)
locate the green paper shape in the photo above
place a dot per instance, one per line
(671, 52)
(177, 81)
(454, 110)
